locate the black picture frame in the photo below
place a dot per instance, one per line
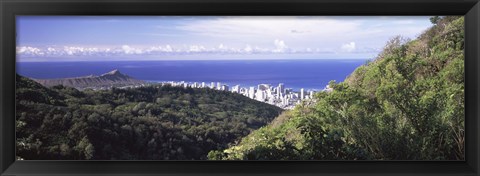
(10, 8)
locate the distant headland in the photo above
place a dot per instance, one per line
(107, 80)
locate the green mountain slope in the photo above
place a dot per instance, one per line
(142, 123)
(407, 104)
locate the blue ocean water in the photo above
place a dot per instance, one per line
(296, 74)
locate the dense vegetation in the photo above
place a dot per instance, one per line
(142, 123)
(407, 104)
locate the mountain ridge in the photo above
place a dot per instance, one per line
(113, 78)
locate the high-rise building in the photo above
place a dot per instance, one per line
(224, 87)
(212, 85)
(219, 86)
(269, 93)
(263, 87)
(288, 90)
(260, 95)
(302, 93)
(281, 88)
(243, 90)
(203, 84)
(251, 92)
(236, 89)
(285, 101)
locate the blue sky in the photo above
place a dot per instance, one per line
(109, 38)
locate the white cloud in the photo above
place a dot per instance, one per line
(28, 50)
(196, 49)
(165, 49)
(50, 49)
(280, 46)
(348, 47)
(74, 51)
(168, 48)
(130, 50)
(277, 47)
(248, 49)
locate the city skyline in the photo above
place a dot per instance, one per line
(108, 38)
(281, 96)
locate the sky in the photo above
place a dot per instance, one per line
(131, 38)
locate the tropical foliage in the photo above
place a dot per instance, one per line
(158, 123)
(406, 104)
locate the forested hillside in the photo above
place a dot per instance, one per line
(406, 104)
(158, 123)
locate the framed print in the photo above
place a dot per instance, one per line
(239, 87)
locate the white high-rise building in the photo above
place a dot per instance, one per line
(251, 92)
(302, 93)
(219, 86)
(244, 91)
(295, 95)
(271, 101)
(236, 89)
(260, 95)
(285, 101)
(203, 84)
(212, 85)
(281, 88)
(269, 93)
